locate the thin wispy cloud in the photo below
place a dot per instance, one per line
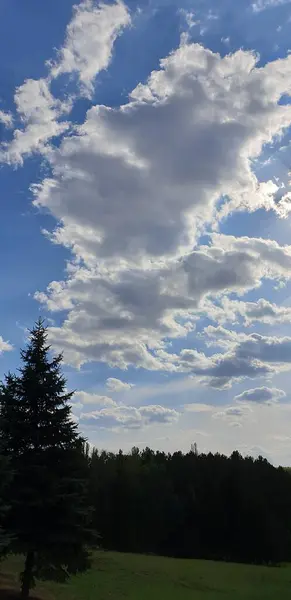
(261, 5)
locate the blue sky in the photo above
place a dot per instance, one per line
(145, 177)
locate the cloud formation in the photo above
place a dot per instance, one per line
(247, 313)
(5, 346)
(261, 5)
(133, 188)
(40, 114)
(89, 41)
(84, 398)
(152, 175)
(88, 47)
(116, 385)
(129, 417)
(95, 412)
(232, 411)
(248, 356)
(163, 160)
(6, 118)
(261, 395)
(124, 318)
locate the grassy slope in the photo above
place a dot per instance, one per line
(119, 576)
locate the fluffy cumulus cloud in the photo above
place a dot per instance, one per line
(6, 118)
(105, 413)
(89, 41)
(87, 51)
(246, 355)
(132, 190)
(247, 313)
(85, 398)
(162, 161)
(261, 395)
(129, 417)
(116, 385)
(39, 114)
(122, 316)
(243, 356)
(135, 187)
(5, 346)
(95, 412)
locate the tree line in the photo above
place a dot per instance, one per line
(192, 505)
(59, 500)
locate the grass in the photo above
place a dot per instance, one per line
(134, 577)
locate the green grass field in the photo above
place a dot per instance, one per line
(118, 576)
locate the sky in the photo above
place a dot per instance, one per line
(145, 177)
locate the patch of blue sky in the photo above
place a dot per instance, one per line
(29, 261)
(257, 224)
(35, 27)
(93, 376)
(227, 26)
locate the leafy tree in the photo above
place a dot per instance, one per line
(49, 512)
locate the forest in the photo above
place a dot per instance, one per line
(192, 505)
(59, 499)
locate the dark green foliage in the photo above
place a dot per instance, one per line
(49, 512)
(5, 479)
(195, 506)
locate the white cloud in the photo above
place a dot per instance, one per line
(235, 311)
(116, 385)
(189, 17)
(224, 338)
(123, 317)
(251, 356)
(5, 346)
(232, 411)
(150, 174)
(246, 356)
(261, 395)
(89, 41)
(6, 118)
(132, 189)
(129, 417)
(261, 5)
(105, 413)
(88, 50)
(164, 159)
(40, 113)
(84, 398)
(258, 425)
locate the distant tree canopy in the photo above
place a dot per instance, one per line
(191, 505)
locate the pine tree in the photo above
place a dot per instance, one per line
(49, 513)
